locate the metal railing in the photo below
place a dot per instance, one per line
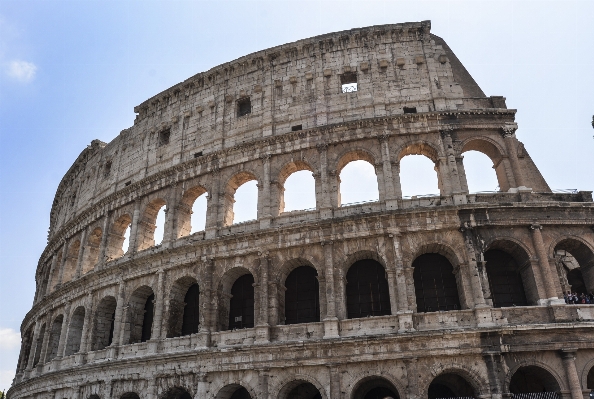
(565, 190)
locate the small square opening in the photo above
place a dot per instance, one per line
(198, 154)
(244, 106)
(107, 169)
(296, 128)
(164, 137)
(410, 110)
(348, 81)
(128, 183)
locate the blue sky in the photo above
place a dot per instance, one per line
(72, 71)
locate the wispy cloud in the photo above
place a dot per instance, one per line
(21, 71)
(9, 339)
(6, 377)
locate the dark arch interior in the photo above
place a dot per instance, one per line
(94, 397)
(305, 390)
(241, 307)
(532, 379)
(367, 290)
(302, 301)
(177, 393)
(129, 395)
(505, 280)
(147, 321)
(576, 281)
(241, 393)
(191, 318)
(450, 386)
(435, 284)
(376, 388)
(590, 379)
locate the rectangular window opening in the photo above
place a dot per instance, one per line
(164, 137)
(296, 128)
(410, 110)
(198, 154)
(128, 183)
(348, 81)
(244, 106)
(107, 169)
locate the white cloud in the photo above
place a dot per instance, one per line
(6, 377)
(9, 339)
(22, 71)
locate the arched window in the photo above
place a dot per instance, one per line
(198, 220)
(358, 183)
(300, 390)
(71, 261)
(376, 388)
(480, 175)
(140, 312)
(26, 349)
(119, 238)
(590, 381)
(191, 214)
(191, 317)
(147, 320)
(233, 391)
(450, 386)
(91, 256)
(177, 393)
(104, 323)
(302, 301)
(298, 192)
(241, 199)
(418, 176)
(532, 379)
(505, 280)
(38, 346)
(151, 228)
(435, 284)
(367, 290)
(241, 393)
(54, 338)
(575, 262)
(241, 307)
(75, 330)
(160, 226)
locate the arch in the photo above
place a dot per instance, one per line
(176, 393)
(185, 210)
(375, 387)
(302, 296)
(589, 380)
(367, 292)
(139, 323)
(301, 387)
(352, 155)
(130, 395)
(570, 252)
(346, 159)
(75, 329)
(241, 303)
(436, 288)
(103, 323)
(419, 148)
(533, 379)
(148, 224)
(54, 338)
(71, 261)
(286, 171)
(184, 310)
(450, 385)
(233, 184)
(26, 349)
(117, 236)
(234, 391)
(494, 152)
(38, 344)
(505, 279)
(431, 181)
(91, 256)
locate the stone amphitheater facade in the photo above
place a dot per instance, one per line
(455, 295)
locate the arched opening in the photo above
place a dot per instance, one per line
(38, 345)
(56, 272)
(54, 338)
(575, 263)
(435, 284)
(450, 385)
(91, 256)
(533, 379)
(119, 238)
(130, 395)
(300, 390)
(418, 176)
(71, 261)
(302, 296)
(376, 388)
(505, 280)
(75, 329)
(233, 391)
(243, 190)
(141, 309)
(357, 182)
(26, 349)
(191, 214)
(177, 393)
(367, 290)
(480, 172)
(94, 397)
(151, 230)
(241, 306)
(590, 381)
(298, 190)
(184, 308)
(104, 323)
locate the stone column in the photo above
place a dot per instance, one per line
(475, 278)
(206, 303)
(568, 356)
(465, 289)
(412, 376)
(202, 386)
(87, 324)
(45, 343)
(326, 202)
(262, 327)
(62, 263)
(450, 161)
(264, 200)
(169, 233)
(213, 206)
(462, 173)
(34, 344)
(396, 177)
(103, 245)
(508, 133)
(64, 332)
(119, 316)
(331, 327)
(334, 377)
(493, 369)
(409, 283)
(53, 267)
(262, 383)
(133, 243)
(273, 294)
(549, 277)
(390, 193)
(81, 253)
(159, 303)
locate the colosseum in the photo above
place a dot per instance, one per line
(456, 295)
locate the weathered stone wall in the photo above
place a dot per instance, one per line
(83, 336)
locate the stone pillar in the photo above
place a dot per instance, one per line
(206, 303)
(81, 253)
(465, 286)
(64, 332)
(133, 243)
(493, 370)
(119, 316)
(326, 202)
(213, 206)
(331, 327)
(396, 177)
(508, 133)
(53, 267)
(549, 277)
(87, 324)
(443, 177)
(103, 245)
(262, 383)
(409, 283)
(264, 199)
(262, 327)
(412, 377)
(202, 386)
(273, 294)
(34, 344)
(334, 378)
(389, 192)
(568, 356)
(450, 161)
(462, 174)
(159, 303)
(169, 233)
(45, 343)
(473, 271)
(62, 263)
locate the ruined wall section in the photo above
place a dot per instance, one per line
(296, 84)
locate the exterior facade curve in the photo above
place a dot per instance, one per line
(452, 295)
